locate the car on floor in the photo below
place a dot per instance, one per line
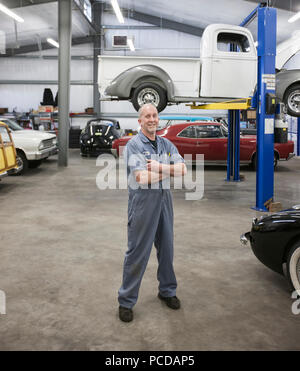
(210, 139)
(275, 241)
(8, 156)
(98, 135)
(168, 120)
(32, 146)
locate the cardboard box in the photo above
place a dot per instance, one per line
(46, 108)
(89, 110)
(251, 114)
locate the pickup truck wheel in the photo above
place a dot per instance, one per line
(292, 100)
(149, 93)
(293, 266)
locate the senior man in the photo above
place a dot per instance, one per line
(151, 160)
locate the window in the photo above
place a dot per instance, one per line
(210, 131)
(12, 124)
(4, 135)
(188, 132)
(231, 42)
(224, 130)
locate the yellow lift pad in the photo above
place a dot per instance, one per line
(231, 104)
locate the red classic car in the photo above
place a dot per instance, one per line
(210, 139)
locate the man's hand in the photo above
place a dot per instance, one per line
(154, 166)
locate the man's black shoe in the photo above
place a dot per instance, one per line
(172, 302)
(125, 314)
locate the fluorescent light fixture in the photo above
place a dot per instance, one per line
(117, 10)
(53, 42)
(7, 11)
(294, 18)
(130, 44)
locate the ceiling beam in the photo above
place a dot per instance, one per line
(45, 46)
(164, 22)
(161, 22)
(93, 27)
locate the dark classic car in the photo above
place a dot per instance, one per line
(98, 135)
(210, 139)
(275, 241)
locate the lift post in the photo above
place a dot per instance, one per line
(233, 146)
(265, 107)
(265, 103)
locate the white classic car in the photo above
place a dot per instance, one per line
(32, 146)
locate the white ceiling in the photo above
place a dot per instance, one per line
(201, 13)
(41, 20)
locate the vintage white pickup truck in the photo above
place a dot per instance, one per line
(221, 73)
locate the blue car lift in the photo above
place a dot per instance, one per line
(265, 122)
(264, 101)
(233, 146)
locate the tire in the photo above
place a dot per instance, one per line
(253, 162)
(21, 160)
(149, 93)
(275, 161)
(83, 151)
(293, 266)
(33, 164)
(292, 100)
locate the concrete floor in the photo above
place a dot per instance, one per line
(62, 248)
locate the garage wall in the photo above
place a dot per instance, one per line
(153, 41)
(23, 97)
(33, 68)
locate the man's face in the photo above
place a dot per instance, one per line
(149, 120)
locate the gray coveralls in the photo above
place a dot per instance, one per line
(150, 219)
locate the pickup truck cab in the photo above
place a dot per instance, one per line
(226, 69)
(8, 160)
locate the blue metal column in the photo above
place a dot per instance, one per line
(237, 129)
(298, 136)
(233, 146)
(230, 147)
(265, 123)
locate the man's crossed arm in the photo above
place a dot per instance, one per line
(156, 172)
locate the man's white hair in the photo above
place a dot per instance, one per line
(145, 105)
